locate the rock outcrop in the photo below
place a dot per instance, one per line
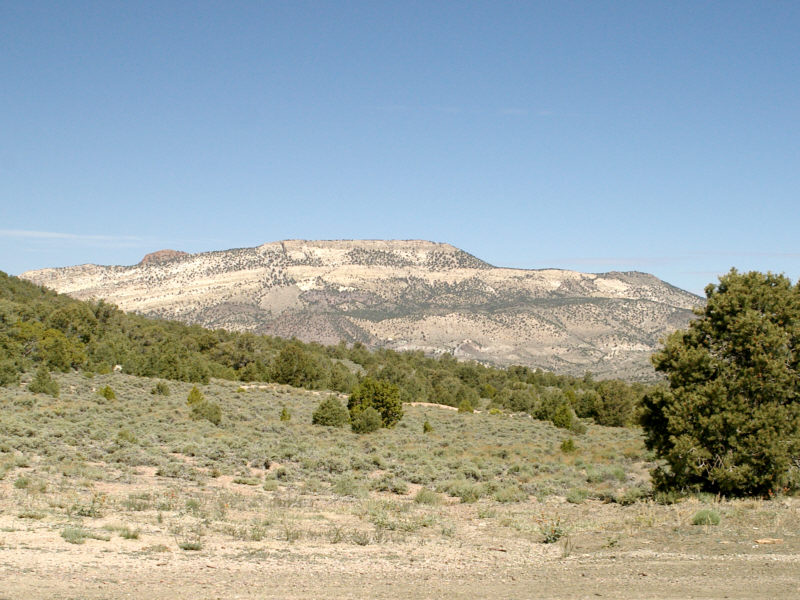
(405, 295)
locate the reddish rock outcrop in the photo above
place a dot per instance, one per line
(161, 256)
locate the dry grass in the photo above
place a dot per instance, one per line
(477, 487)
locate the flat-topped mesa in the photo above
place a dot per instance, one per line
(160, 256)
(374, 253)
(404, 295)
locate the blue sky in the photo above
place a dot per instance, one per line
(653, 136)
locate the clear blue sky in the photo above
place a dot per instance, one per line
(654, 136)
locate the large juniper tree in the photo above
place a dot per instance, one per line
(729, 422)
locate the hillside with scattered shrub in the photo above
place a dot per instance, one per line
(39, 327)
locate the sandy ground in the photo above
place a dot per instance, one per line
(602, 557)
(449, 550)
(100, 571)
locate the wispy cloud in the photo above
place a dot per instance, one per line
(514, 112)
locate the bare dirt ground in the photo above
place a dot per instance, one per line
(317, 545)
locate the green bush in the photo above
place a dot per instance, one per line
(9, 374)
(465, 406)
(382, 396)
(427, 427)
(202, 408)
(568, 446)
(552, 529)
(160, 389)
(210, 411)
(464, 490)
(285, 415)
(577, 427)
(366, 421)
(705, 516)
(577, 495)
(296, 367)
(510, 493)
(426, 496)
(44, 384)
(331, 413)
(107, 392)
(126, 436)
(729, 423)
(562, 416)
(348, 486)
(195, 396)
(616, 404)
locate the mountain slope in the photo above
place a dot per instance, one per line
(405, 295)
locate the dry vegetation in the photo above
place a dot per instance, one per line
(131, 496)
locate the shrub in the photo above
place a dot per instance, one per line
(464, 490)
(551, 529)
(705, 516)
(160, 389)
(510, 493)
(427, 427)
(9, 375)
(366, 421)
(465, 406)
(107, 392)
(615, 405)
(285, 414)
(562, 416)
(577, 495)
(382, 396)
(126, 435)
(195, 396)
(44, 384)
(568, 446)
(426, 496)
(577, 427)
(347, 486)
(77, 535)
(210, 411)
(298, 368)
(129, 534)
(192, 545)
(331, 413)
(729, 422)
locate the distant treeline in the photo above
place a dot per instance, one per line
(40, 327)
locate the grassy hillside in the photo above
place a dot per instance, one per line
(41, 328)
(111, 487)
(62, 454)
(466, 455)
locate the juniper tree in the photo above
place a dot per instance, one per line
(383, 396)
(729, 420)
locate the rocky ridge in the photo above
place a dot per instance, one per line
(162, 256)
(404, 295)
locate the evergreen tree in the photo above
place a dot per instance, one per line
(729, 422)
(383, 396)
(366, 421)
(195, 396)
(331, 412)
(296, 367)
(42, 383)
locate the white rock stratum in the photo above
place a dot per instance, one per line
(405, 295)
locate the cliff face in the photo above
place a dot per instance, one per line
(162, 256)
(405, 295)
